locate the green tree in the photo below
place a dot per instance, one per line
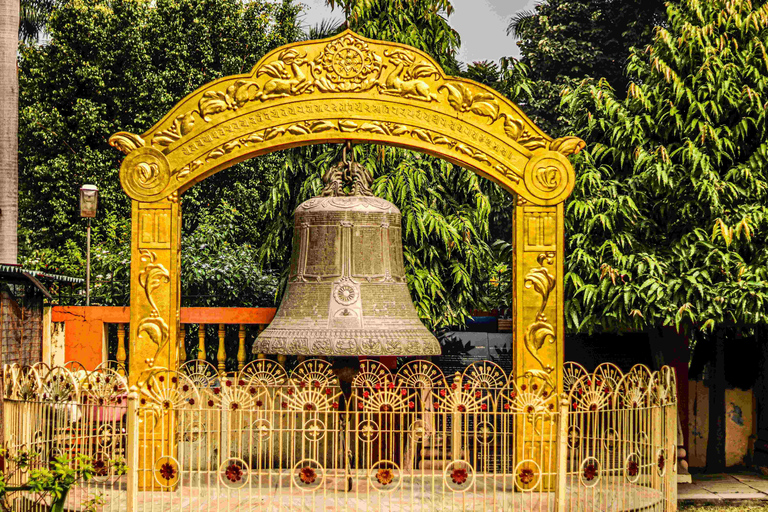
(667, 222)
(563, 41)
(120, 66)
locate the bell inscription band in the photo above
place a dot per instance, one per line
(347, 294)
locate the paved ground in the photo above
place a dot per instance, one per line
(725, 488)
(410, 495)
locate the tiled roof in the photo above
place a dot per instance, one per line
(16, 269)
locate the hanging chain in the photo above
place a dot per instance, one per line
(348, 174)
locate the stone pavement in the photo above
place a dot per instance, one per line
(722, 488)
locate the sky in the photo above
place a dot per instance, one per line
(482, 25)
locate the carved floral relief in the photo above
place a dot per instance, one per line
(152, 277)
(540, 330)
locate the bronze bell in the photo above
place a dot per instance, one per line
(347, 293)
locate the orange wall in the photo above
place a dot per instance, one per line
(84, 325)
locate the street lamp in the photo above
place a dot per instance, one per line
(89, 199)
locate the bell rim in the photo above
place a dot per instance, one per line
(364, 342)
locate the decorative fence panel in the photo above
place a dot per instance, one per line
(58, 413)
(263, 439)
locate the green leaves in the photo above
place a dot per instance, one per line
(669, 191)
(120, 66)
(565, 41)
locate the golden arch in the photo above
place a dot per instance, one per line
(346, 88)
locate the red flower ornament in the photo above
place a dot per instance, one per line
(590, 472)
(234, 473)
(526, 476)
(167, 471)
(385, 476)
(307, 475)
(633, 468)
(459, 476)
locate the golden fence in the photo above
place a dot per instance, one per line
(266, 439)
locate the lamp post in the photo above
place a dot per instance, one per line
(89, 198)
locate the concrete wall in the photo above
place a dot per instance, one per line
(79, 333)
(739, 425)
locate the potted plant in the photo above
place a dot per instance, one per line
(52, 484)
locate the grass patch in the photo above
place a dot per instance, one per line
(723, 508)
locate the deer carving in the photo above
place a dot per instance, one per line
(403, 80)
(287, 77)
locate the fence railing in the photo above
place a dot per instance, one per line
(197, 343)
(261, 438)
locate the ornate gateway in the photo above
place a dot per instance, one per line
(347, 89)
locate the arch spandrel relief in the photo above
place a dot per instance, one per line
(346, 88)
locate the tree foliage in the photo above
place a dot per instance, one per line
(668, 219)
(563, 41)
(120, 66)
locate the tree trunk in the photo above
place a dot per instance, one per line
(716, 440)
(9, 123)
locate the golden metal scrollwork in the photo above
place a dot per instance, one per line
(540, 330)
(181, 126)
(463, 99)
(153, 276)
(346, 88)
(126, 142)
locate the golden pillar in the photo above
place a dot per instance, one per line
(155, 279)
(539, 328)
(538, 282)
